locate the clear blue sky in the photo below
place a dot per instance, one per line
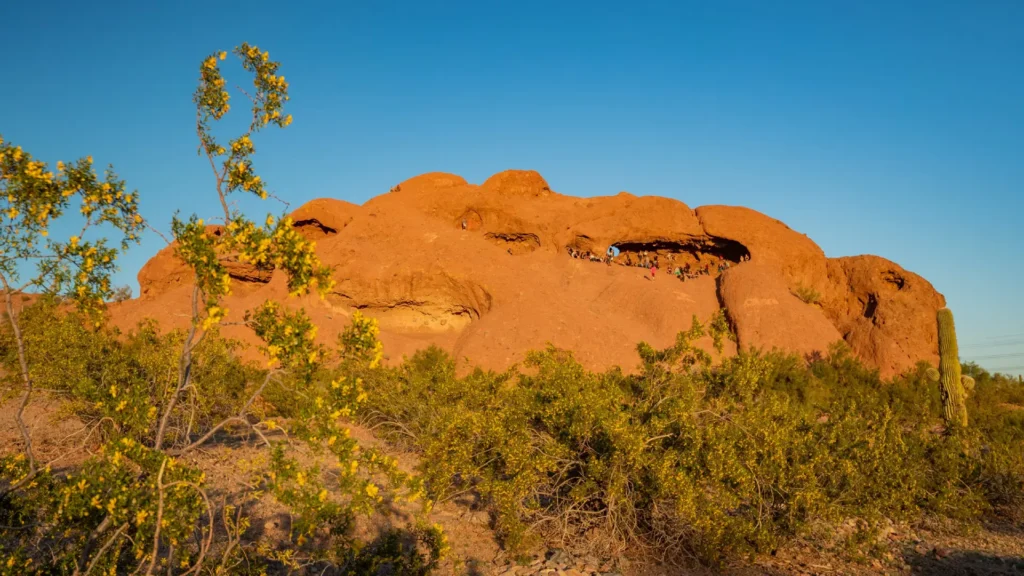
(891, 128)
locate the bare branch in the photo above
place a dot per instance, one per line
(240, 417)
(104, 548)
(25, 377)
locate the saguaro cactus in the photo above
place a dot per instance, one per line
(950, 386)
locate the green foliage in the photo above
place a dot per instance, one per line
(953, 405)
(36, 199)
(807, 294)
(116, 384)
(400, 553)
(684, 457)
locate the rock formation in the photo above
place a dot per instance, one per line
(488, 272)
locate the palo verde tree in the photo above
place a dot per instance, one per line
(141, 503)
(34, 261)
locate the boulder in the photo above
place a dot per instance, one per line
(766, 315)
(885, 313)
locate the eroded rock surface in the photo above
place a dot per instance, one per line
(767, 315)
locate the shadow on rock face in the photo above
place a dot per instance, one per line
(959, 562)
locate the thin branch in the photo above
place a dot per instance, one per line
(208, 540)
(213, 167)
(159, 516)
(100, 529)
(104, 548)
(240, 417)
(157, 231)
(26, 379)
(184, 369)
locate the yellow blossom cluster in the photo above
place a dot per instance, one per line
(289, 337)
(280, 246)
(36, 197)
(360, 342)
(271, 88)
(212, 96)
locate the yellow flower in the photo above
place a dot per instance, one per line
(322, 496)
(140, 517)
(223, 55)
(270, 220)
(372, 490)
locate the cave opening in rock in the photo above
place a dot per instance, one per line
(894, 278)
(469, 220)
(691, 255)
(514, 243)
(314, 228)
(870, 306)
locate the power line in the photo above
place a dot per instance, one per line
(1009, 342)
(1000, 336)
(996, 339)
(998, 368)
(994, 356)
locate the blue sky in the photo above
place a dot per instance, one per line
(890, 128)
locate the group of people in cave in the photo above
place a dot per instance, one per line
(588, 255)
(651, 261)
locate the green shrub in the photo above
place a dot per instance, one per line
(685, 457)
(102, 512)
(807, 294)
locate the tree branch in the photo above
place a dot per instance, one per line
(25, 377)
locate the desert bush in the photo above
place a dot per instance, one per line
(684, 458)
(807, 294)
(121, 293)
